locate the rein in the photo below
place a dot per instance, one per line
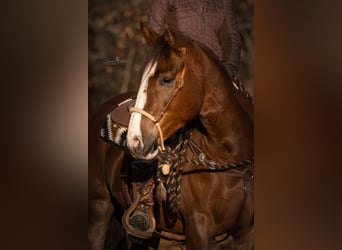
(175, 159)
(210, 165)
(155, 119)
(206, 164)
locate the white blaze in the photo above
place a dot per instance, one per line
(134, 122)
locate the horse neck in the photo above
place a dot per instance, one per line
(228, 126)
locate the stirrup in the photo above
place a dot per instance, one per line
(139, 220)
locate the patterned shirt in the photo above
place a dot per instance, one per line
(210, 22)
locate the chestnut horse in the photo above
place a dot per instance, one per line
(183, 85)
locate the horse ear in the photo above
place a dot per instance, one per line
(169, 36)
(149, 35)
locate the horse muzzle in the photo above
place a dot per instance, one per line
(142, 139)
(141, 149)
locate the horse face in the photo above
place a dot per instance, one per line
(141, 135)
(167, 97)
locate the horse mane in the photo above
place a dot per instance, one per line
(159, 46)
(215, 59)
(154, 51)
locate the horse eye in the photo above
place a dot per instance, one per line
(165, 81)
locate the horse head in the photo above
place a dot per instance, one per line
(169, 94)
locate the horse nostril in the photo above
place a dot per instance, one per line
(137, 138)
(137, 141)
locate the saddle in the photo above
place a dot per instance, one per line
(136, 175)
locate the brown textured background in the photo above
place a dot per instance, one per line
(44, 107)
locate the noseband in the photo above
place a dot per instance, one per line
(156, 119)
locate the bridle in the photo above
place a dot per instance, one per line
(155, 119)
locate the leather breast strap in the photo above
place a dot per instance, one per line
(201, 156)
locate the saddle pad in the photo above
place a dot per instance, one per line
(114, 129)
(120, 115)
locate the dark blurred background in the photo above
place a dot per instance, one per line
(114, 31)
(44, 123)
